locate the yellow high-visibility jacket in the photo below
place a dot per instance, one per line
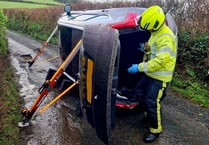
(162, 56)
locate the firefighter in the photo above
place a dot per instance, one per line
(158, 67)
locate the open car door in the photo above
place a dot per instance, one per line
(98, 68)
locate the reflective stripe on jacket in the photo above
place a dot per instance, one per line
(162, 57)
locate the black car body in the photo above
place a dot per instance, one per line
(110, 42)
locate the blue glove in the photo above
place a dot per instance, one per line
(141, 47)
(133, 69)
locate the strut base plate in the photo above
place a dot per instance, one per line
(21, 124)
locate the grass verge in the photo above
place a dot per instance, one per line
(193, 91)
(9, 104)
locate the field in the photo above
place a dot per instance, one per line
(8, 5)
(44, 1)
(33, 4)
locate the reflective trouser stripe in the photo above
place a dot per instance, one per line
(159, 124)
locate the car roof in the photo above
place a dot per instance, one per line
(101, 16)
(109, 16)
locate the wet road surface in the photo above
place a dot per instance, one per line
(184, 123)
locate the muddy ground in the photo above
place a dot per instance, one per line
(184, 122)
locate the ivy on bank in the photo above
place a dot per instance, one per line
(3, 38)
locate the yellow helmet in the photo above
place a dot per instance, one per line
(152, 18)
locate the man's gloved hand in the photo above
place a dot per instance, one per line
(133, 69)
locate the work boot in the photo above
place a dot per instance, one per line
(150, 137)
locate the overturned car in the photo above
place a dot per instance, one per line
(109, 41)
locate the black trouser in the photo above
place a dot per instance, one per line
(150, 92)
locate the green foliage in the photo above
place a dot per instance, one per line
(21, 22)
(9, 106)
(190, 73)
(37, 23)
(3, 39)
(191, 90)
(193, 54)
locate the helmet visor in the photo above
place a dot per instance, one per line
(142, 28)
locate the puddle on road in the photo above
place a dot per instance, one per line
(47, 128)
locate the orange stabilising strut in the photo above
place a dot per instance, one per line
(40, 50)
(47, 86)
